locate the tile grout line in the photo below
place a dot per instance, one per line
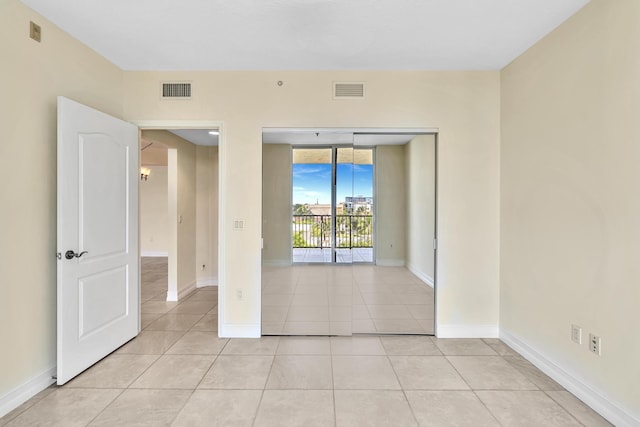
(404, 392)
(333, 385)
(546, 392)
(472, 389)
(203, 376)
(107, 406)
(266, 381)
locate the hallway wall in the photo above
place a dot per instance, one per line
(420, 164)
(390, 204)
(276, 204)
(206, 216)
(154, 215)
(186, 208)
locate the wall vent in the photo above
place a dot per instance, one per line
(176, 90)
(348, 90)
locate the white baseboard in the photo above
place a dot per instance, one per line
(594, 398)
(177, 296)
(26, 391)
(154, 254)
(467, 331)
(276, 263)
(390, 262)
(239, 331)
(422, 276)
(207, 281)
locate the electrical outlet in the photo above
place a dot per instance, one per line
(239, 294)
(594, 344)
(576, 334)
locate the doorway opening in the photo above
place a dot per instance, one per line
(178, 218)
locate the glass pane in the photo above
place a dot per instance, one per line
(344, 193)
(362, 206)
(311, 205)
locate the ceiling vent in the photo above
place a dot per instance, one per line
(348, 90)
(176, 90)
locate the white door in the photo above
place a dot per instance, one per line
(98, 273)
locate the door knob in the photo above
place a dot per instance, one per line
(71, 254)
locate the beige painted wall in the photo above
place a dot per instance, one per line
(206, 216)
(390, 201)
(186, 204)
(154, 214)
(38, 73)
(276, 204)
(420, 210)
(463, 105)
(570, 206)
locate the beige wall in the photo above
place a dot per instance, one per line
(276, 204)
(154, 214)
(36, 74)
(570, 207)
(463, 105)
(420, 161)
(186, 205)
(390, 205)
(206, 216)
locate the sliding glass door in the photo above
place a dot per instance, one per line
(332, 205)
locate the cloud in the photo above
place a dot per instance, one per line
(362, 168)
(307, 171)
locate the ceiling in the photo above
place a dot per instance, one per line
(197, 136)
(308, 34)
(365, 137)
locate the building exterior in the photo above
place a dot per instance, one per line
(359, 203)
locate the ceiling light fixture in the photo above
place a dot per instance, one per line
(214, 132)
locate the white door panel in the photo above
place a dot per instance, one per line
(98, 287)
(103, 198)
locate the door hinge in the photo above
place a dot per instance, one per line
(59, 255)
(435, 244)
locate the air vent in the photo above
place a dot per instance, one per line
(348, 90)
(176, 90)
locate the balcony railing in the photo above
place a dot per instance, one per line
(314, 231)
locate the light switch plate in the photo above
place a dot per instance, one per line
(35, 32)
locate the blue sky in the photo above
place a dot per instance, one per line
(312, 182)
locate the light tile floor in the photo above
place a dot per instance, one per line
(341, 300)
(180, 373)
(317, 255)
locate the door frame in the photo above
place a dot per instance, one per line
(390, 130)
(201, 124)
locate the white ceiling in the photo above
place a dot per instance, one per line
(197, 136)
(364, 137)
(308, 34)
